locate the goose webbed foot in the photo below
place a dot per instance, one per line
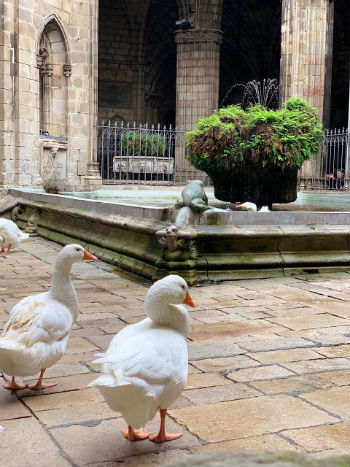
(14, 386)
(40, 385)
(135, 435)
(163, 436)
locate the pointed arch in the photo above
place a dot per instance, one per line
(53, 62)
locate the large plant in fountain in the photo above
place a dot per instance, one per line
(254, 154)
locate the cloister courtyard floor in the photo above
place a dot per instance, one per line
(269, 369)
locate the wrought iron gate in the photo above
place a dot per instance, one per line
(144, 155)
(331, 169)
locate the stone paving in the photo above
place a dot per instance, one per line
(269, 369)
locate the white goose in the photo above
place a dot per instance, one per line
(36, 334)
(11, 235)
(145, 367)
(252, 207)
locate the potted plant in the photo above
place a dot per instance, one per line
(254, 154)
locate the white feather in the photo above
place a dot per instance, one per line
(145, 367)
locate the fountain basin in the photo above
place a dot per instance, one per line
(229, 245)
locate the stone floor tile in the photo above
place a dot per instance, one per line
(105, 442)
(334, 400)
(102, 342)
(334, 351)
(261, 372)
(67, 383)
(11, 407)
(275, 344)
(338, 378)
(79, 357)
(215, 394)
(224, 364)
(63, 399)
(291, 384)
(234, 328)
(279, 356)
(309, 322)
(310, 366)
(93, 413)
(79, 345)
(254, 443)
(205, 380)
(249, 417)
(173, 456)
(320, 438)
(198, 351)
(25, 443)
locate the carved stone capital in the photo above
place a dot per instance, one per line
(197, 36)
(67, 70)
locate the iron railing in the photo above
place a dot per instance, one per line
(331, 168)
(142, 154)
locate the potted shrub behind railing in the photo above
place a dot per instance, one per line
(254, 155)
(135, 143)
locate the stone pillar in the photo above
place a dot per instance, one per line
(306, 42)
(197, 79)
(92, 180)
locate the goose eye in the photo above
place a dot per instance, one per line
(77, 249)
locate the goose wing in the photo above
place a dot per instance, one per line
(156, 357)
(37, 319)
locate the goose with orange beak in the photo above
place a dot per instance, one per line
(145, 367)
(36, 334)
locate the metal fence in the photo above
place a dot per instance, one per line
(142, 154)
(331, 168)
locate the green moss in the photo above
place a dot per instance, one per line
(259, 137)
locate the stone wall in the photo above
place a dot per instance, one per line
(21, 151)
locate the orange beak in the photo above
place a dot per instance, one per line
(239, 206)
(88, 255)
(188, 300)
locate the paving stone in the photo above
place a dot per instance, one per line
(320, 438)
(291, 384)
(279, 356)
(92, 412)
(104, 442)
(254, 443)
(205, 380)
(102, 342)
(225, 364)
(215, 394)
(25, 443)
(11, 407)
(267, 414)
(154, 458)
(235, 328)
(262, 372)
(220, 349)
(334, 400)
(276, 344)
(309, 322)
(334, 351)
(79, 345)
(339, 378)
(311, 366)
(63, 399)
(67, 383)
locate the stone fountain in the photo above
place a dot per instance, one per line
(151, 234)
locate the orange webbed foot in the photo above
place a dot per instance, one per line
(14, 386)
(135, 435)
(38, 386)
(162, 438)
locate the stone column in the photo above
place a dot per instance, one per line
(92, 180)
(197, 79)
(306, 44)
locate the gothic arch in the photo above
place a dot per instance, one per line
(54, 70)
